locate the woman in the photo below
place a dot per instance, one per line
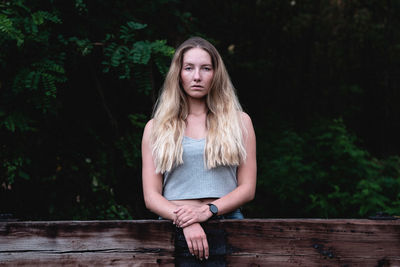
(199, 150)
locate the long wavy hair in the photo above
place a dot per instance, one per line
(225, 132)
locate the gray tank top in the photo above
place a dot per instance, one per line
(192, 180)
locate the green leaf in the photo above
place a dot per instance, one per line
(23, 175)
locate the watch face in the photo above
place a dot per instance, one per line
(213, 209)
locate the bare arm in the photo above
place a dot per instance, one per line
(246, 175)
(245, 191)
(152, 181)
(152, 189)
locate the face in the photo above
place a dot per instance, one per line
(197, 73)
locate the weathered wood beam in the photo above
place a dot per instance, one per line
(255, 242)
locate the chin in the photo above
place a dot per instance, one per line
(198, 95)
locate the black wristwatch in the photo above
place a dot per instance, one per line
(213, 209)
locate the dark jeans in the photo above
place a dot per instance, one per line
(236, 214)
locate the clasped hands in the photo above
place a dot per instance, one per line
(186, 215)
(189, 217)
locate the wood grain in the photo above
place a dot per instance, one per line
(252, 242)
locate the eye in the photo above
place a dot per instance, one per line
(188, 68)
(207, 68)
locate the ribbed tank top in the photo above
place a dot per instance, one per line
(192, 179)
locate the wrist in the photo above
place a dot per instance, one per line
(205, 210)
(213, 210)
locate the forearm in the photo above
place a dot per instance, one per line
(189, 215)
(235, 199)
(161, 206)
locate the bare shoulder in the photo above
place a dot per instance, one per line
(246, 120)
(147, 129)
(149, 125)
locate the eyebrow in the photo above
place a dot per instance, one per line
(188, 63)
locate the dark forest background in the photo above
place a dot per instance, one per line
(320, 79)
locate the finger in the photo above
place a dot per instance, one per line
(195, 248)
(183, 212)
(190, 247)
(206, 249)
(188, 216)
(178, 209)
(179, 221)
(179, 216)
(201, 249)
(183, 220)
(187, 223)
(175, 220)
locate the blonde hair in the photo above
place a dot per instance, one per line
(224, 141)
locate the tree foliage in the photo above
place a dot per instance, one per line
(323, 173)
(46, 63)
(78, 80)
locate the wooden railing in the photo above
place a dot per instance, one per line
(252, 242)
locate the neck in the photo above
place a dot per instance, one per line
(197, 106)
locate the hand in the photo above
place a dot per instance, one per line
(196, 240)
(188, 214)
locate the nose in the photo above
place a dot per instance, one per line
(196, 75)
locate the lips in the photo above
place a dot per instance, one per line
(197, 87)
